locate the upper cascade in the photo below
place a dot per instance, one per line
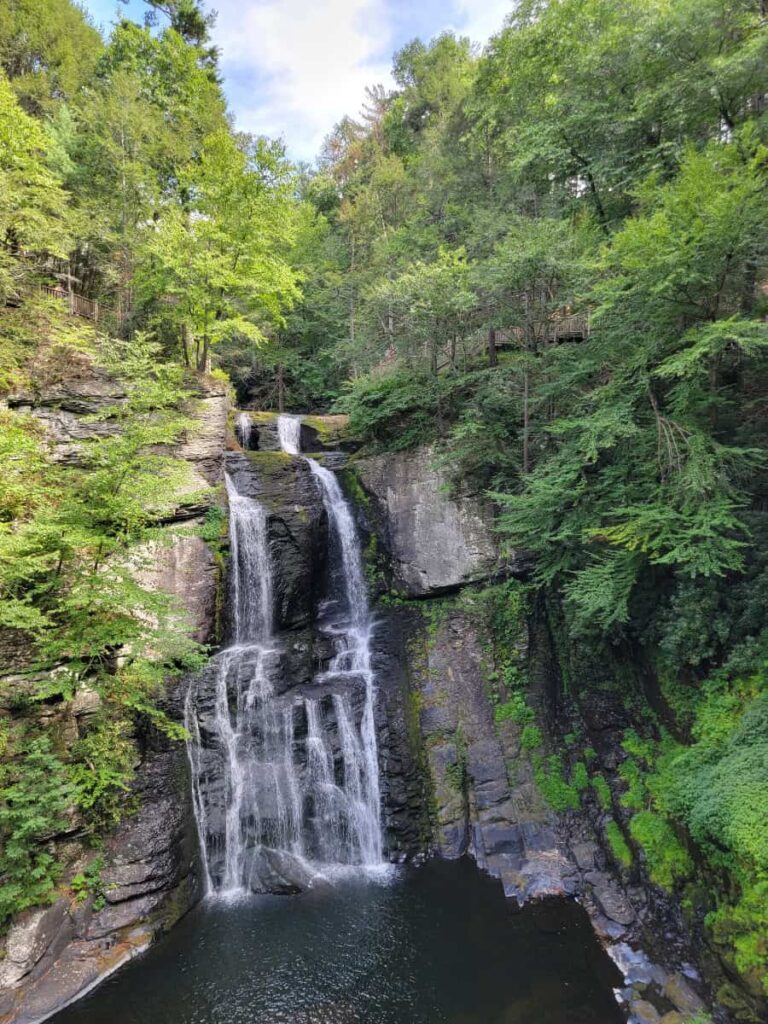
(244, 429)
(289, 433)
(285, 783)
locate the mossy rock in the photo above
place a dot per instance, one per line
(330, 430)
(270, 462)
(258, 416)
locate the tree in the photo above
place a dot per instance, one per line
(48, 50)
(425, 312)
(217, 260)
(33, 205)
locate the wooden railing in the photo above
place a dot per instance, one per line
(559, 327)
(79, 305)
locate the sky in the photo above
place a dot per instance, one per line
(293, 68)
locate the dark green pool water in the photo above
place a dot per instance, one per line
(433, 945)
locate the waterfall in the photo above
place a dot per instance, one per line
(353, 658)
(244, 429)
(289, 433)
(285, 785)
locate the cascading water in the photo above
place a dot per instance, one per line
(353, 659)
(244, 429)
(285, 786)
(289, 433)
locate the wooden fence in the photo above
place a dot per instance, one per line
(78, 304)
(559, 327)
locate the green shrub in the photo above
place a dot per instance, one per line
(89, 883)
(580, 776)
(102, 771)
(602, 791)
(214, 524)
(553, 785)
(531, 737)
(397, 410)
(635, 796)
(618, 844)
(33, 805)
(515, 709)
(743, 925)
(668, 860)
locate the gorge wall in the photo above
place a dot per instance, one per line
(150, 873)
(498, 729)
(479, 731)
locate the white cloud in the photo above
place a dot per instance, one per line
(480, 19)
(295, 69)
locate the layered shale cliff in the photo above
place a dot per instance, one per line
(496, 737)
(149, 872)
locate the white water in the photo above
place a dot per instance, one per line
(353, 658)
(244, 429)
(285, 787)
(289, 433)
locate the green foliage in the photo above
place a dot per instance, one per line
(33, 206)
(667, 859)
(618, 844)
(742, 925)
(457, 773)
(102, 768)
(72, 541)
(214, 525)
(530, 737)
(580, 776)
(602, 791)
(215, 260)
(36, 796)
(47, 50)
(394, 410)
(89, 883)
(550, 777)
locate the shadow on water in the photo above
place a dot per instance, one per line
(433, 945)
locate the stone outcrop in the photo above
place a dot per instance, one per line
(150, 875)
(318, 433)
(297, 526)
(487, 803)
(435, 542)
(473, 769)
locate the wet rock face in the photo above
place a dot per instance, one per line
(307, 588)
(150, 875)
(405, 780)
(436, 542)
(486, 801)
(150, 879)
(297, 525)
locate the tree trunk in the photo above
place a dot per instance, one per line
(204, 357)
(280, 390)
(748, 289)
(185, 346)
(526, 424)
(493, 358)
